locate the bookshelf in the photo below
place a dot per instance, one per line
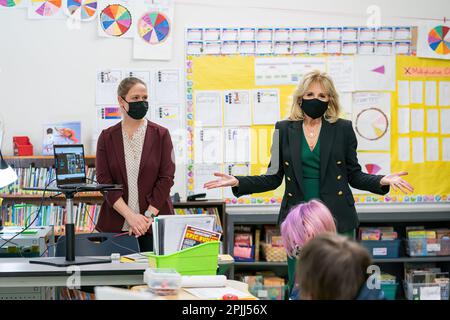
(436, 215)
(41, 167)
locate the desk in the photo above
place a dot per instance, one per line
(184, 295)
(18, 272)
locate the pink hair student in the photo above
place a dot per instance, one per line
(303, 223)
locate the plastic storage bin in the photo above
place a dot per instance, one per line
(389, 290)
(268, 292)
(383, 248)
(198, 260)
(423, 247)
(22, 146)
(426, 291)
(163, 282)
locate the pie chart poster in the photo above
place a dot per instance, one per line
(433, 41)
(373, 163)
(372, 120)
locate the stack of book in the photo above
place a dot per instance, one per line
(377, 233)
(430, 242)
(210, 211)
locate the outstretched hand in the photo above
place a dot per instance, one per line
(396, 182)
(225, 180)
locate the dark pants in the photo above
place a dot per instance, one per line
(145, 242)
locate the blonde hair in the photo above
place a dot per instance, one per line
(334, 107)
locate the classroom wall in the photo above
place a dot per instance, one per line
(47, 71)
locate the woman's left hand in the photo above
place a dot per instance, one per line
(396, 182)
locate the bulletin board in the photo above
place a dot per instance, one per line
(389, 109)
(421, 143)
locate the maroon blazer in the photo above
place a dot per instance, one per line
(156, 173)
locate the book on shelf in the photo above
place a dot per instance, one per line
(244, 249)
(273, 235)
(193, 236)
(214, 211)
(50, 215)
(257, 243)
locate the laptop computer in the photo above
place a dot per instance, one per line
(71, 169)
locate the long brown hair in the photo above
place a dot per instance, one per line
(332, 267)
(334, 108)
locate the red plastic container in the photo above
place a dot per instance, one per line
(22, 146)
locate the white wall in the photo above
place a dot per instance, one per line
(47, 72)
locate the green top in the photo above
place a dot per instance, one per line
(311, 169)
(311, 187)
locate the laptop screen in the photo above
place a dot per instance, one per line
(69, 164)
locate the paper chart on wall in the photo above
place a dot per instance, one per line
(237, 108)
(167, 86)
(373, 163)
(168, 116)
(285, 71)
(208, 108)
(375, 73)
(237, 145)
(44, 9)
(208, 145)
(107, 82)
(116, 19)
(371, 120)
(272, 71)
(204, 173)
(301, 66)
(235, 169)
(433, 40)
(107, 116)
(154, 35)
(341, 71)
(266, 106)
(444, 93)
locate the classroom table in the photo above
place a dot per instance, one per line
(18, 272)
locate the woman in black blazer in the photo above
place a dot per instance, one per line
(315, 151)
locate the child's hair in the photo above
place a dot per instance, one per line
(304, 222)
(332, 267)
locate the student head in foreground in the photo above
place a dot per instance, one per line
(333, 267)
(304, 222)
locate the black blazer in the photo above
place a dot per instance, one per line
(338, 168)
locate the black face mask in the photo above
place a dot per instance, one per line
(137, 109)
(314, 108)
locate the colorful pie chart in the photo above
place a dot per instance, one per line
(9, 3)
(115, 20)
(439, 40)
(82, 9)
(154, 27)
(46, 8)
(371, 124)
(372, 168)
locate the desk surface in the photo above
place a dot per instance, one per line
(14, 267)
(19, 272)
(184, 295)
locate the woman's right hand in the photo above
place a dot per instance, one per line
(225, 180)
(138, 223)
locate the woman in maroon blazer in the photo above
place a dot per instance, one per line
(137, 154)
